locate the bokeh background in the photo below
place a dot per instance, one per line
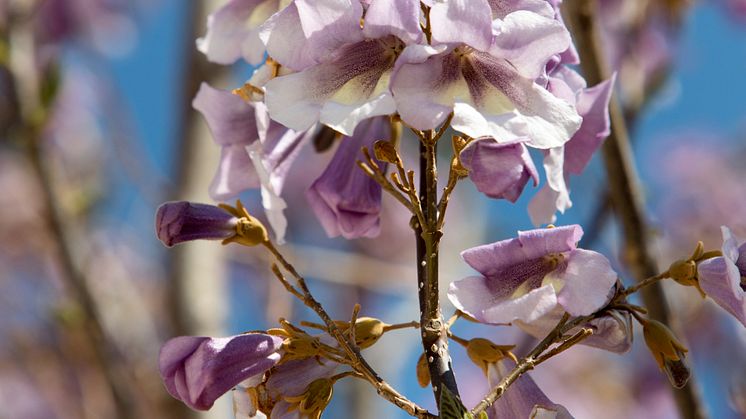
(97, 129)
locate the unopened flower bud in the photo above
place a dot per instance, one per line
(177, 222)
(300, 347)
(423, 371)
(668, 351)
(684, 272)
(482, 352)
(386, 151)
(314, 399)
(367, 331)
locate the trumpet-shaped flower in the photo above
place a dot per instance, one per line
(528, 277)
(236, 124)
(177, 222)
(343, 68)
(233, 31)
(724, 278)
(499, 170)
(346, 201)
(198, 370)
(523, 399)
(484, 72)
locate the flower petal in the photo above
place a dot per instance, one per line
(340, 93)
(346, 201)
(720, 280)
(476, 297)
(274, 205)
(462, 22)
(499, 170)
(198, 370)
(554, 169)
(394, 17)
(230, 118)
(232, 32)
(522, 399)
(593, 106)
(587, 281)
(491, 259)
(325, 26)
(528, 40)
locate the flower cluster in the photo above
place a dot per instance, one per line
(495, 71)
(500, 74)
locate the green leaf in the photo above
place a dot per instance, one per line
(451, 406)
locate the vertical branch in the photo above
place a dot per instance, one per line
(33, 114)
(626, 195)
(432, 326)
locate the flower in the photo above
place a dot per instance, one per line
(236, 124)
(177, 222)
(346, 201)
(527, 277)
(523, 399)
(572, 158)
(233, 31)
(198, 370)
(611, 332)
(724, 278)
(343, 68)
(499, 170)
(484, 71)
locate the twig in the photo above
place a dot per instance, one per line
(353, 352)
(644, 283)
(623, 184)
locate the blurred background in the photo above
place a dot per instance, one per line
(97, 129)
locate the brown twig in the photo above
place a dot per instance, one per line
(357, 362)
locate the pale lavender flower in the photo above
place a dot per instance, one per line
(177, 222)
(236, 124)
(198, 370)
(724, 278)
(343, 69)
(527, 277)
(572, 158)
(499, 170)
(233, 31)
(611, 332)
(523, 399)
(484, 71)
(346, 201)
(291, 379)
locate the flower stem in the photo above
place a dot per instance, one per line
(624, 186)
(433, 330)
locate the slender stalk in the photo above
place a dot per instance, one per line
(433, 329)
(626, 195)
(106, 355)
(353, 352)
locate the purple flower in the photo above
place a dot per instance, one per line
(499, 170)
(527, 277)
(611, 332)
(237, 124)
(292, 378)
(724, 278)
(233, 31)
(343, 68)
(483, 71)
(198, 370)
(180, 221)
(572, 158)
(523, 399)
(346, 201)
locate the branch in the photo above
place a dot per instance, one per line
(353, 352)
